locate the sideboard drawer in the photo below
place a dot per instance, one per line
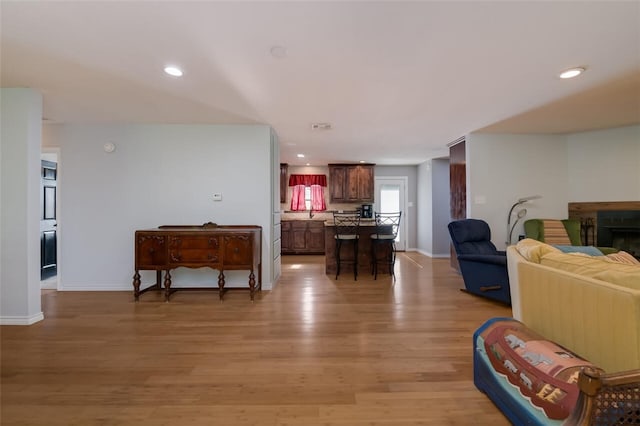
(194, 249)
(238, 249)
(151, 251)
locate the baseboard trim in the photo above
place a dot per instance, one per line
(21, 320)
(435, 256)
(129, 287)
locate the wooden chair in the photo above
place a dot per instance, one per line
(607, 399)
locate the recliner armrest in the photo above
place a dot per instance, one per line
(494, 259)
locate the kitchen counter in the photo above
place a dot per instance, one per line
(363, 222)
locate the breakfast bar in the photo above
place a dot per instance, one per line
(367, 228)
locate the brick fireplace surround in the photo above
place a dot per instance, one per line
(619, 225)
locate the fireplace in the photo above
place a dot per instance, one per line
(619, 229)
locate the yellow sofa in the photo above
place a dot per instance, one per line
(588, 304)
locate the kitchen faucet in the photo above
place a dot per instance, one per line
(310, 213)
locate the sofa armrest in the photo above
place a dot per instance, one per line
(513, 260)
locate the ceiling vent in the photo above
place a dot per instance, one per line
(320, 126)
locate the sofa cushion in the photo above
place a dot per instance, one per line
(533, 250)
(590, 250)
(595, 267)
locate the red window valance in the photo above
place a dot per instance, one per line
(308, 180)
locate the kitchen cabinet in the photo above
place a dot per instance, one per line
(351, 183)
(302, 237)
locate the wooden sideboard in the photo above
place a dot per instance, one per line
(224, 248)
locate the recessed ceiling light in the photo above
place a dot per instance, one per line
(308, 164)
(572, 72)
(278, 52)
(362, 161)
(173, 71)
(300, 155)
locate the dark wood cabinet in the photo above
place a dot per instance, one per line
(284, 182)
(285, 236)
(337, 180)
(365, 184)
(457, 188)
(217, 247)
(302, 237)
(315, 237)
(351, 182)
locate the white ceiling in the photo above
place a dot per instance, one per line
(396, 80)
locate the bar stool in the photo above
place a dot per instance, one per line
(383, 242)
(347, 231)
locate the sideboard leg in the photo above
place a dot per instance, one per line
(167, 285)
(252, 284)
(136, 286)
(221, 284)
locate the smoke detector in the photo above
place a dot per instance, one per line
(320, 126)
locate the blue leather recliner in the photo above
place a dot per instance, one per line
(483, 267)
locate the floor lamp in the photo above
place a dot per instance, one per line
(521, 213)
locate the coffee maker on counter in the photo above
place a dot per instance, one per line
(366, 211)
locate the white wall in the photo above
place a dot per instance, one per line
(601, 165)
(605, 165)
(158, 175)
(441, 195)
(20, 137)
(503, 168)
(424, 209)
(433, 209)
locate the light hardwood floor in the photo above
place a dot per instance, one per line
(314, 351)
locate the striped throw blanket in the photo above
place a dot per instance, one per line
(555, 233)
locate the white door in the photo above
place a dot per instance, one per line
(391, 196)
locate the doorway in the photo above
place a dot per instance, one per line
(49, 220)
(391, 196)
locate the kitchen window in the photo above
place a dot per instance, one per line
(308, 192)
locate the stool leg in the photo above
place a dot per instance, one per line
(355, 259)
(338, 244)
(372, 259)
(375, 260)
(392, 263)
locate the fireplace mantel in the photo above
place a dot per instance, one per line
(577, 210)
(587, 213)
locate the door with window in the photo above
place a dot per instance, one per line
(391, 196)
(48, 220)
